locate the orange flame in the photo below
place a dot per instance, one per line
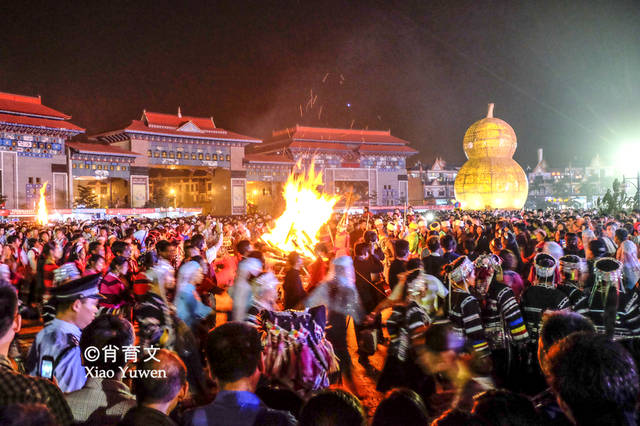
(306, 211)
(42, 217)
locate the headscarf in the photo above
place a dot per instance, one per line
(338, 291)
(545, 268)
(572, 265)
(553, 249)
(187, 273)
(486, 266)
(628, 255)
(587, 236)
(608, 282)
(265, 290)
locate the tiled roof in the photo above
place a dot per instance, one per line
(175, 121)
(28, 105)
(100, 148)
(39, 122)
(337, 135)
(266, 158)
(138, 126)
(320, 145)
(386, 148)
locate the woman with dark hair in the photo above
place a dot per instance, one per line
(117, 295)
(293, 291)
(509, 275)
(482, 241)
(95, 265)
(47, 264)
(78, 257)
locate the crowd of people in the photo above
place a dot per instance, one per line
(488, 318)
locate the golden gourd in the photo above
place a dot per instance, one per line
(490, 179)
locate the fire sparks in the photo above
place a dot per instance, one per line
(42, 215)
(306, 211)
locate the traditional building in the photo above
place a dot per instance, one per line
(106, 170)
(32, 151)
(575, 185)
(371, 163)
(432, 185)
(186, 159)
(266, 176)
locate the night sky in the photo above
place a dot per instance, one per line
(564, 74)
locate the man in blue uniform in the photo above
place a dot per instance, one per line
(55, 352)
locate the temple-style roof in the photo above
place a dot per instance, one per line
(100, 148)
(28, 105)
(302, 133)
(22, 111)
(301, 138)
(439, 164)
(175, 125)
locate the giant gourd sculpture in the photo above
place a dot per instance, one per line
(490, 179)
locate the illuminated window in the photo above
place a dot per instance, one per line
(164, 154)
(112, 167)
(93, 167)
(149, 153)
(99, 166)
(179, 155)
(171, 154)
(200, 156)
(228, 157)
(215, 157)
(123, 168)
(156, 154)
(207, 157)
(81, 165)
(193, 156)
(74, 165)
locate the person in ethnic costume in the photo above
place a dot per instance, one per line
(501, 316)
(339, 295)
(463, 309)
(542, 295)
(415, 306)
(571, 267)
(614, 310)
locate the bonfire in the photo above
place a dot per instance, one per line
(307, 209)
(42, 216)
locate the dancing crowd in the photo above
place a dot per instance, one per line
(486, 318)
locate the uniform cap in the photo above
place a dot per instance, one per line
(81, 288)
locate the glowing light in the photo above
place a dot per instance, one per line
(428, 217)
(42, 217)
(491, 178)
(348, 105)
(627, 159)
(306, 211)
(172, 191)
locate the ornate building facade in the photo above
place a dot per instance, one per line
(186, 159)
(33, 151)
(371, 163)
